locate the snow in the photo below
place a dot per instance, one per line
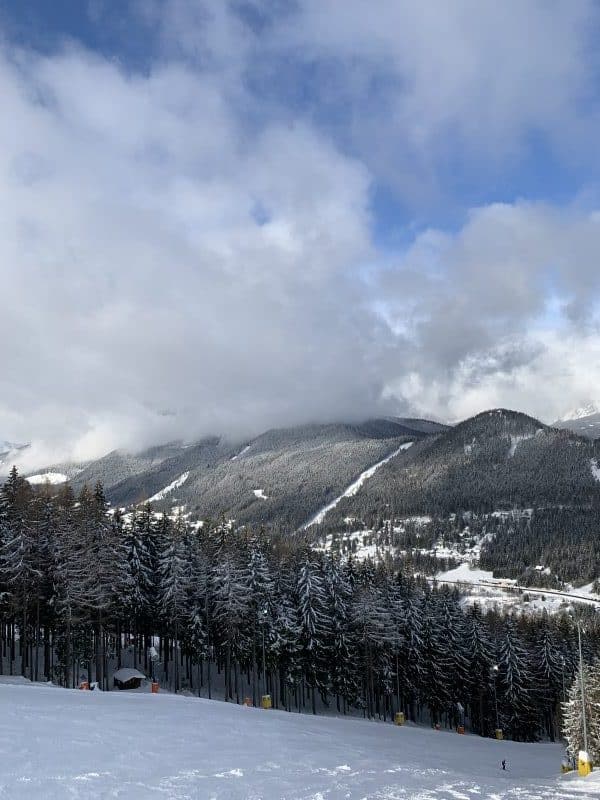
(490, 592)
(170, 488)
(515, 441)
(59, 743)
(127, 673)
(581, 413)
(354, 487)
(47, 477)
(260, 493)
(241, 453)
(595, 468)
(464, 573)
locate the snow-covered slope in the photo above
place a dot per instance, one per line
(584, 421)
(48, 477)
(170, 488)
(9, 453)
(60, 743)
(581, 412)
(318, 518)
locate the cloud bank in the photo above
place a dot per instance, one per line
(195, 245)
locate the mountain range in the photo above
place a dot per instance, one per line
(280, 477)
(284, 477)
(519, 497)
(584, 421)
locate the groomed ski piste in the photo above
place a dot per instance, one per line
(318, 518)
(61, 743)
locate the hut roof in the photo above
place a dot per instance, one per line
(127, 673)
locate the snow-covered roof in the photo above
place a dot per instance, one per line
(127, 673)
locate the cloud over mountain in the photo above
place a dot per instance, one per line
(195, 238)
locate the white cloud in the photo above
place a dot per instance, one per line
(504, 312)
(188, 249)
(431, 81)
(156, 256)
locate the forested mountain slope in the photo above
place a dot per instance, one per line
(278, 478)
(498, 459)
(500, 490)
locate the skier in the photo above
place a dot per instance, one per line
(503, 763)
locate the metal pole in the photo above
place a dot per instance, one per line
(398, 681)
(263, 622)
(495, 671)
(264, 661)
(496, 704)
(583, 713)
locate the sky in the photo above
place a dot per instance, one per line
(221, 217)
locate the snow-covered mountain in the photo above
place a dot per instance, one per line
(283, 476)
(584, 421)
(10, 452)
(581, 412)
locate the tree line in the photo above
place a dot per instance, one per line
(230, 611)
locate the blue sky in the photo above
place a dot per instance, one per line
(282, 82)
(291, 211)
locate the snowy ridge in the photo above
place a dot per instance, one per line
(580, 413)
(354, 487)
(170, 488)
(241, 453)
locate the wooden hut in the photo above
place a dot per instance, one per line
(128, 678)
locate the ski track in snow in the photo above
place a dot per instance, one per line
(354, 487)
(170, 488)
(59, 743)
(241, 453)
(515, 441)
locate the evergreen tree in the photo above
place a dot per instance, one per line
(517, 687)
(573, 713)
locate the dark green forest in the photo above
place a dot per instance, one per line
(229, 608)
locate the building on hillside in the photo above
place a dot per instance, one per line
(128, 678)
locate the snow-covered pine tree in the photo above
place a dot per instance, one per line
(452, 621)
(342, 645)
(517, 687)
(231, 612)
(481, 657)
(101, 557)
(260, 589)
(437, 661)
(412, 664)
(68, 580)
(551, 666)
(315, 624)
(371, 623)
(19, 568)
(573, 716)
(175, 591)
(287, 639)
(135, 589)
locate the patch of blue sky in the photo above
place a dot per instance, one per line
(111, 28)
(338, 97)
